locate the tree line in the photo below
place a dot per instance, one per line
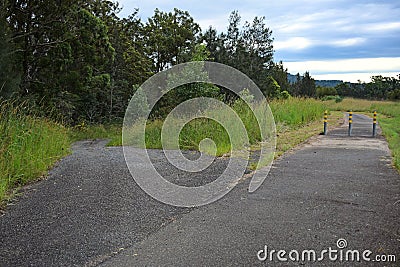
(79, 61)
(380, 88)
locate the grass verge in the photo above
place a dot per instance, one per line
(29, 146)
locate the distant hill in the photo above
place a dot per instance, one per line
(291, 78)
(324, 83)
(327, 83)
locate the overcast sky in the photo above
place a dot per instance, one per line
(333, 39)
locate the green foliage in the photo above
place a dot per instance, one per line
(246, 96)
(394, 95)
(304, 86)
(246, 115)
(248, 49)
(169, 38)
(342, 89)
(66, 64)
(379, 88)
(337, 98)
(181, 93)
(391, 131)
(325, 91)
(197, 130)
(29, 146)
(200, 53)
(307, 85)
(284, 95)
(390, 127)
(9, 72)
(138, 108)
(280, 74)
(201, 128)
(328, 97)
(274, 91)
(79, 60)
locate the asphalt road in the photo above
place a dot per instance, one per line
(89, 211)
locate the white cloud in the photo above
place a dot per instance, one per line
(295, 43)
(346, 65)
(289, 28)
(349, 69)
(354, 77)
(386, 26)
(349, 42)
(219, 23)
(301, 43)
(349, 19)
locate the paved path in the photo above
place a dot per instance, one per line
(88, 212)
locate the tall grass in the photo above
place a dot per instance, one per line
(297, 111)
(28, 146)
(363, 105)
(230, 130)
(291, 113)
(391, 130)
(389, 122)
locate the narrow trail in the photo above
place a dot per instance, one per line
(89, 212)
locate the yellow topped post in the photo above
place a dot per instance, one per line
(374, 125)
(350, 122)
(325, 121)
